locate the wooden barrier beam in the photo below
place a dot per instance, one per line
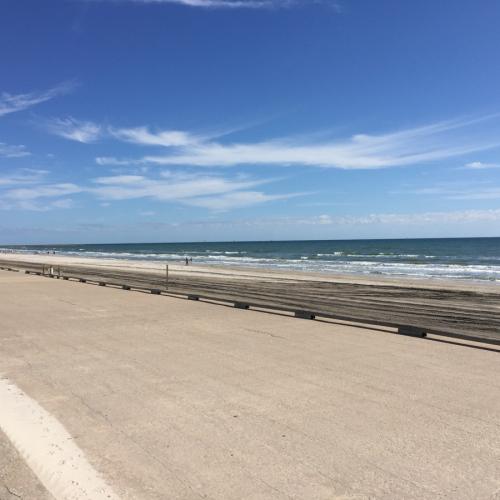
(241, 305)
(193, 297)
(411, 331)
(155, 291)
(305, 315)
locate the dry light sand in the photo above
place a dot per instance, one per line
(163, 398)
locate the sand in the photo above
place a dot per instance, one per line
(246, 273)
(169, 398)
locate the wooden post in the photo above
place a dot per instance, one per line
(166, 277)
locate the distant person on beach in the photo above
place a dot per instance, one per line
(187, 262)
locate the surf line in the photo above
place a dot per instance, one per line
(48, 448)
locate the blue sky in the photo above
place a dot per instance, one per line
(192, 120)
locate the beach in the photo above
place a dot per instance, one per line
(239, 272)
(473, 260)
(456, 308)
(169, 398)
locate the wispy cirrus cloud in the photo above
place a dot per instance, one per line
(43, 191)
(212, 192)
(235, 4)
(458, 191)
(13, 151)
(479, 165)
(168, 187)
(26, 189)
(145, 137)
(11, 103)
(390, 219)
(73, 129)
(436, 141)
(23, 176)
(207, 191)
(238, 199)
(36, 206)
(88, 131)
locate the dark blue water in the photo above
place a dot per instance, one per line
(461, 258)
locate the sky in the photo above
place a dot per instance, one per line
(223, 120)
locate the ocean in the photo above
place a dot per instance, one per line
(456, 258)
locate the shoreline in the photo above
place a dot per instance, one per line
(248, 273)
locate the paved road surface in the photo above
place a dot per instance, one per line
(169, 398)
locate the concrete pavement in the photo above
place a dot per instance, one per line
(173, 399)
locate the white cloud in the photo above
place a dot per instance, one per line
(43, 191)
(492, 193)
(117, 180)
(11, 103)
(62, 203)
(75, 130)
(428, 143)
(109, 160)
(169, 188)
(237, 199)
(459, 191)
(235, 4)
(23, 176)
(424, 219)
(29, 191)
(35, 206)
(478, 165)
(11, 151)
(36, 196)
(166, 138)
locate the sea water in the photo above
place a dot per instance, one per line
(459, 258)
